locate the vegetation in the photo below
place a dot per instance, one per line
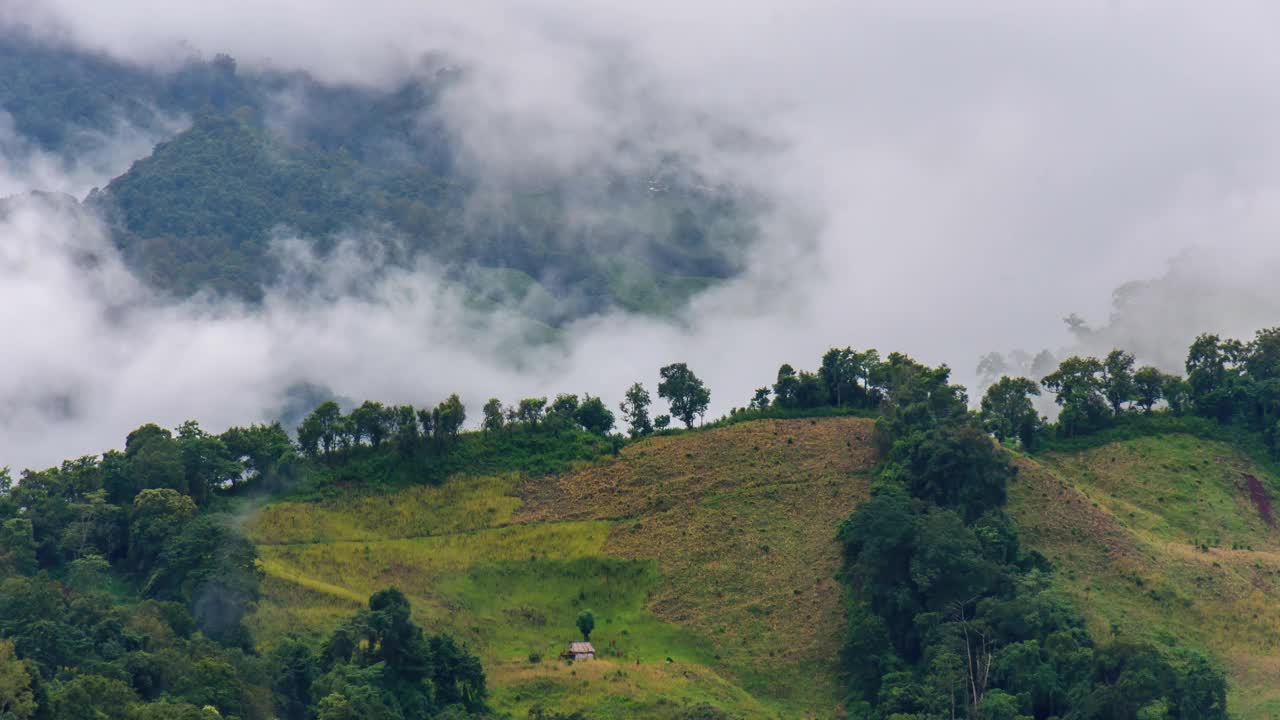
(1235, 383)
(267, 152)
(855, 541)
(127, 585)
(231, 571)
(586, 622)
(951, 617)
(663, 561)
(1156, 537)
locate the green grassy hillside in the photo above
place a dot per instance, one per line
(1161, 538)
(709, 561)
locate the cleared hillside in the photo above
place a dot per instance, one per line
(1162, 538)
(709, 561)
(707, 558)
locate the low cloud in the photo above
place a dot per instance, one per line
(95, 354)
(939, 181)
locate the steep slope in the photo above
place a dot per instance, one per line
(707, 558)
(709, 561)
(1162, 538)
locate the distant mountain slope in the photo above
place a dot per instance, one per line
(201, 211)
(268, 151)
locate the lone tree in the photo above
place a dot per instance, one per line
(687, 395)
(586, 623)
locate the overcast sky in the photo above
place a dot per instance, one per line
(948, 180)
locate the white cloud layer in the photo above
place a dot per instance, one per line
(949, 179)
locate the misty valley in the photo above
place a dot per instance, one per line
(394, 362)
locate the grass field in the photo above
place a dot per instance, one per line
(707, 558)
(1158, 537)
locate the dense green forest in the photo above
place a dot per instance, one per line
(127, 579)
(269, 152)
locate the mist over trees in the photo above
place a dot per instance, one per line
(266, 150)
(1229, 381)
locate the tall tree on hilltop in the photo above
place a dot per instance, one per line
(405, 424)
(760, 401)
(492, 415)
(452, 415)
(1117, 379)
(1148, 387)
(1262, 355)
(786, 388)
(560, 414)
(321, 428)
(530, 411)
(371, 421)
(1007, 411)
(1078, 391)
(635, 409)
(686, 393)
(839, 374)
(206, 461)
(593, 416)
(1213, 374)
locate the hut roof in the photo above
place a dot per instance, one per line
(581, 648)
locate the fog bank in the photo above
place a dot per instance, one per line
(942, 181)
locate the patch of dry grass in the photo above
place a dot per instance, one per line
(742, 522)
(609, 689)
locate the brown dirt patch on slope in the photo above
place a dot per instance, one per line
(1258, 494)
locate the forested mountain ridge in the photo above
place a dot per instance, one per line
(266, 151)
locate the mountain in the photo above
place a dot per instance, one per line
(246, 155)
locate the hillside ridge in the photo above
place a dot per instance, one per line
(720, 517)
